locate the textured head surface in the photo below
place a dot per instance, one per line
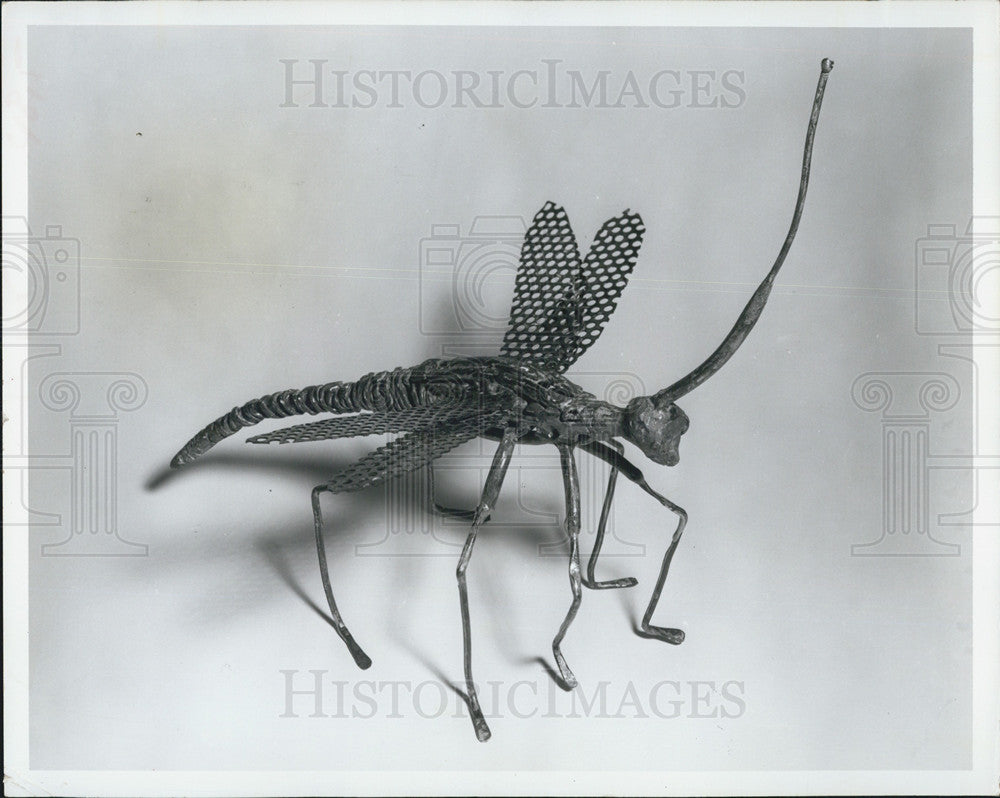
(656, 428)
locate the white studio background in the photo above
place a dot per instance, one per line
(233, 243)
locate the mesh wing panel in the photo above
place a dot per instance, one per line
(410, 452)
(550, 263)
(362, 424)
(560, 304)
(605, 274)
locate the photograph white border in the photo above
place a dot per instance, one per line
(982, 17)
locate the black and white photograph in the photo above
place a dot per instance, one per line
(501, 398)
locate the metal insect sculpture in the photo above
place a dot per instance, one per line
(561, 304)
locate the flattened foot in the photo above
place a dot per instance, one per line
(610, 584)
(482, 730)
(360, 657)
(478, 721)
(673, 636)
(565, 673)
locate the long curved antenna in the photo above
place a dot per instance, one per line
(756, 304)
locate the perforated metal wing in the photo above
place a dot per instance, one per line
(361, 424)
(561, 304)
(605, 273)
(410, 452)
(546, 276)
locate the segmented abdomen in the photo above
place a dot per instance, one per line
(380, 391)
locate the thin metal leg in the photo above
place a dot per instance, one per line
(614, 458)
(571, 481)
(589, 580)
(488, 501)
(672, 636)
(360, 657)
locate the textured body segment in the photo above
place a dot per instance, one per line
(379, 391)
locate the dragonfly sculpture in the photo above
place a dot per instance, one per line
(562, 302)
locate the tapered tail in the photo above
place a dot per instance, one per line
(755, 306)
(312, 400)
(380, 391)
